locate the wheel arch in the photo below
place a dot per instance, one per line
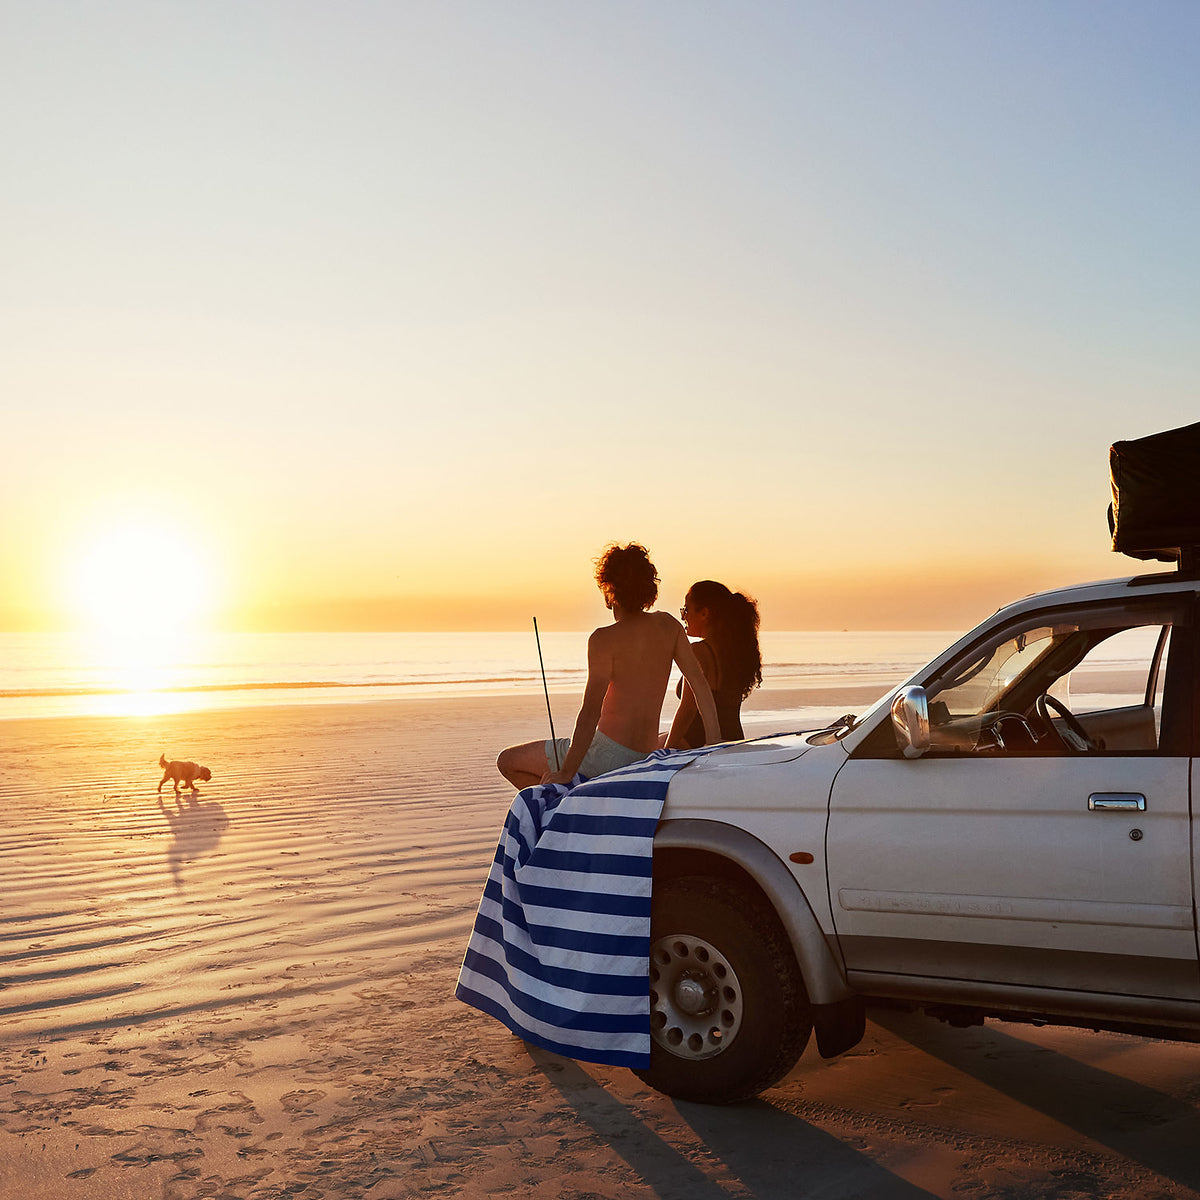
(697, 847)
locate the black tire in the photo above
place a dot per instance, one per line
(728, 1011)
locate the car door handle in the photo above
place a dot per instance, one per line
(1103, 801)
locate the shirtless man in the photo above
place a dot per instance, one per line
(629, 665)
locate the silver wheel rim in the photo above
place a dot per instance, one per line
(695, 997)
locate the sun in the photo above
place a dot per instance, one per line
(140, 578)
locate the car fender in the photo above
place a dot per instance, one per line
(820, 967)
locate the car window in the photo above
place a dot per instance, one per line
(1121, 671)
(975, 686)
(1085, 681)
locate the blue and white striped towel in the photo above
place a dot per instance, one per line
(560, 952)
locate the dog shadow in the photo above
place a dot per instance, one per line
(196, 830)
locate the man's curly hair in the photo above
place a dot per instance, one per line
(627, 576)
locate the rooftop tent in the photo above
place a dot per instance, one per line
(1155, 510)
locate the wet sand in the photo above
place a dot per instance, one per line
(248, 995)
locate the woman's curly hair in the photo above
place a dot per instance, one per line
(627, 576)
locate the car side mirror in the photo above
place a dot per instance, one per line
(910, 717)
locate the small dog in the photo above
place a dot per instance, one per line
(182, 772)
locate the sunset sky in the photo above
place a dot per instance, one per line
(392, 315)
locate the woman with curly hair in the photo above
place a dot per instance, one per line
(629, 666)
(727, 624)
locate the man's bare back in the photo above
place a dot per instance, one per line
(636, 654)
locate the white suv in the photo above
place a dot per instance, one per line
(1008, 834)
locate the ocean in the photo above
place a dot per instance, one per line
(59, 674)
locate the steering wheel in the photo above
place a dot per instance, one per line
(1074, 738)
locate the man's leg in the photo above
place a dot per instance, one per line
(523, 765)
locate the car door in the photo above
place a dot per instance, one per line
(1007, 853)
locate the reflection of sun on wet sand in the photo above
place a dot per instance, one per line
(251, 996)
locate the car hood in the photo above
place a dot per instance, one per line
(759, 752)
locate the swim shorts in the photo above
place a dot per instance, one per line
(602, 755)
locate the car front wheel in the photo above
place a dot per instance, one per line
(729, 1014)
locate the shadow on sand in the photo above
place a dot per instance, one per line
(771, 1153)
(1136, 1121)
(196, 830)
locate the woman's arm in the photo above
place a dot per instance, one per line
(686, 713)
(599, 676)
(702, 696)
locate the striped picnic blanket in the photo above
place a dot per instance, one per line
(560, 952)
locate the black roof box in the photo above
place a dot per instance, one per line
(1155, 511)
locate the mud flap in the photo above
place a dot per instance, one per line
(839, 1026)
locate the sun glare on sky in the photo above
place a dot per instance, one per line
(735, 274)
(140, 578)
(140, 590)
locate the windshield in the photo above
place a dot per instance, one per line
(976, 686)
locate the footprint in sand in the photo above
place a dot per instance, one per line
(301, 1102)
(937, 1095)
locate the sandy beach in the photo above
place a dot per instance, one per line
(249, 995)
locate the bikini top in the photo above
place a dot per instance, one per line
(729, 706)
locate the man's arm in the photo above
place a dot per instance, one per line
(599, 677)
(689, 664)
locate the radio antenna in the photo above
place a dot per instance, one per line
(553, 739)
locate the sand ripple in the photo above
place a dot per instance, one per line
(250, 997)
(291, 871)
